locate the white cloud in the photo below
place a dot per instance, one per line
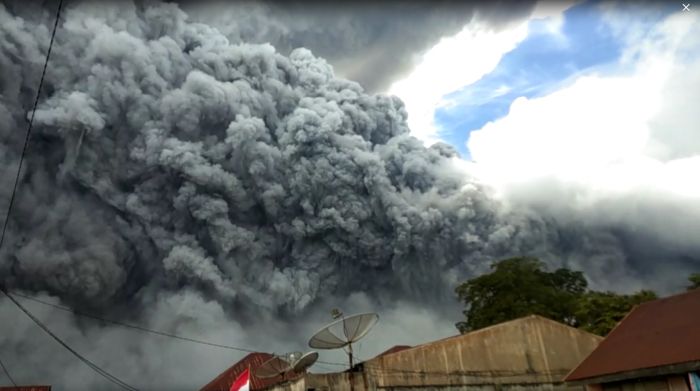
(607, 131)
(552, 14)
(460, 60)
(452, 63)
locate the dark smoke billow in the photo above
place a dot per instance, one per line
(373, 44)
(164, 157)
(221, 190)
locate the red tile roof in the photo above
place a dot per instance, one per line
(254, 360)
(654, 334)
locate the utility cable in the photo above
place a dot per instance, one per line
(372, 367)
(145, 329)
(131, 326)
(86, 361)
(24, 148)
(7, 373)
(29, 127)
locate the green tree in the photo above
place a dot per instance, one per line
(599, 312)
(518, 287)
(694, 281)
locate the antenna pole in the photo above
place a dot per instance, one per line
(352, 380)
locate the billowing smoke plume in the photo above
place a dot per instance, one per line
(374, 43)
(178, 180)
(163, 157)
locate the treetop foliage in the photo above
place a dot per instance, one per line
(522, 286)
(694, 280)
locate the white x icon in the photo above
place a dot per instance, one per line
(686, 7)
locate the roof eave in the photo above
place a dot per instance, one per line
(671, 369)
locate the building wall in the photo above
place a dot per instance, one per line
(364, 382)
(531, 350)
(667, 383)
(492, 387)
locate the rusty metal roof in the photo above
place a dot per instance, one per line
(26, 388)
(654, 334)
(253, 360)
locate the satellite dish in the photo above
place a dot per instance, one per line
(273, 367)
(304, 362)
(282, 365)
(344, 332)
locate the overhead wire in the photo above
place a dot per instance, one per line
(146, 329)
(82, 358)
(24, 149)
(29, 126)
(132, 326)
(7, 373)
(363, 362)
(11, 203)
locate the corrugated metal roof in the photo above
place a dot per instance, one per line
(253, 360)
(654, 334)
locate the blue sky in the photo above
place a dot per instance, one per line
(544, 61)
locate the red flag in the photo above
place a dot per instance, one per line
(242, 383)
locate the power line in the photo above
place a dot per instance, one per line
(375, 367)
(131, 326)
(24, 149)
(7, 373)
(93, 366)
(29, 126)
(145, 329)
(86, 361)
(364, 362)
(222, 346)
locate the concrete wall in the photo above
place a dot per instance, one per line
(530, 350)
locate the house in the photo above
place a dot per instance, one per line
(655, 347)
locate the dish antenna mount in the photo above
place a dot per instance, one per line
(344, 331)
